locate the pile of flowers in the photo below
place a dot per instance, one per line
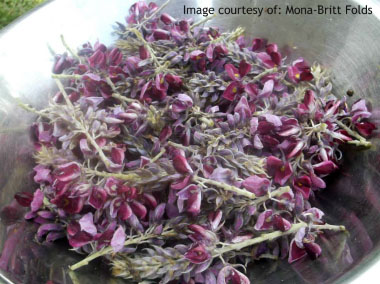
(183, 153)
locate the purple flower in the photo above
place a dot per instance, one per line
(197, 254)
(38, 198)
(182, 103)
(70, 204)
(258, 43)
(258, 185)
(303, 185)
(118, 239)
(87, 224)
(267, 220)
(228, 274)
(232, 90)
(365, 128)
(67, 172)
(24, 198)
(280, 170)
(180, 163)
(237, 74)
(324, 168)
(97, 197)
(300, 71)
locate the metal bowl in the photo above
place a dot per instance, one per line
(347, 44)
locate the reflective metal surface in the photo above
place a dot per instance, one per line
(349, 45)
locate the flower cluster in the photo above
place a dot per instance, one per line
(182, 152)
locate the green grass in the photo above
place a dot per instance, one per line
(11, 9)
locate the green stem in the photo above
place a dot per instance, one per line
(272, 236)
(362, 141)
(109, 250)
(73, 54)
(81, 125)
(226, 187)
(203, 21)
(153, 14)
(125, 177)
(67, 76)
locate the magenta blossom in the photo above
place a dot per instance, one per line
(197, 254)
(280, 170)
(303, 185)
(299, 71)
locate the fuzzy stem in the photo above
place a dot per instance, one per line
(362, 141)
(266, 72)
(81, 125)
(30, 109)
(203, 21)
(74, 54)
(109, 249)
(225, 186)
(125, 177)
(153, 14)
(67, 76)
(146, 44)
(272, 236)
(179, 146)
(277, 192)
(159, 155)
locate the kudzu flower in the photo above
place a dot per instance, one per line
(181, 146)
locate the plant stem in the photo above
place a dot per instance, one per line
(225, 186)
(158, 156)
(146, 44)
(109, 249)
(125, 177)
(202, 21)
(277, 192)
(80, 125)
(153, 14)
(272, 236)
(179, 146)
(30, 109)
(362, 141)
(262, 74)
(67, 76)
(73, 54)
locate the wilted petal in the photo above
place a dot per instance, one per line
(214, 218)
(24, 198)
(138, 209)
(38, 198)
(80, 239)
(98, 197)
(87, 224)
(257, 185)
(232, 72)
(243, 109)
(295, 253)
(124, 211)
(118, 239)
(197, 254)
(325, 167)
(303, 185)
(267, 89)
(68, 172)
(312, 249)
(231, 91)
(180, 164)
(42, 174)
(229, 274)
(264, 221)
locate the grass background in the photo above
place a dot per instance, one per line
(12, 9)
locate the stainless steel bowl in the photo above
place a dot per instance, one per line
(349, 45)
